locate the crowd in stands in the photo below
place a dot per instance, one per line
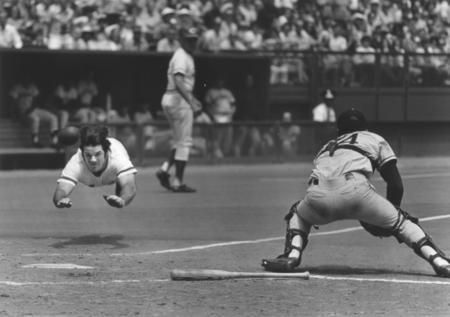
(350, 32)
(351, 26)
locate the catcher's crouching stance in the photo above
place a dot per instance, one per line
(339, 188)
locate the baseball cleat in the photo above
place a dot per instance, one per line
(442, 271)
(183, 189)
(281, 264)
(164, 179)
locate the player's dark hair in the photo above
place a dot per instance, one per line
(93, 136)
(350, 121)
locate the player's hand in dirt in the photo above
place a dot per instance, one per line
(64, 203)
(114, 201)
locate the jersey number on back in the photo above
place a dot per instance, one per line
(333, 145)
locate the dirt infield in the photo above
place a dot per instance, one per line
(233, 222)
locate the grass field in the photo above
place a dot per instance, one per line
(233, 222)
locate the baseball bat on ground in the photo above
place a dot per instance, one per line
(201, 275)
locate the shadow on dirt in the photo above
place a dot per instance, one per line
(348, 270)
(112, 240)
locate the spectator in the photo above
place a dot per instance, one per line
(248, 139)
(246, 13)
(220, 104)
(251, 36)
(59, 37)
(364, 61)
(9, 36)
(64, 102)
(324, 111)
(169, 42)
(24, 96)
(288, 135)
(185, 18)
(123, 131)
(337, 67)
(147, 17)
(211, 40)
(169, 20)
(143, 116)
(87, 94)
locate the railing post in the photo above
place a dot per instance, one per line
(377, 83)
(406, 86)
(140, 144)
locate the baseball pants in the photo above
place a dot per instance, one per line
(41, 115)
(351, 196)
(181, 118)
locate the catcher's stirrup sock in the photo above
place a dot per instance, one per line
(434, 258)
(297, 243)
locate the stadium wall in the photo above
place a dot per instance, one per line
(135, 77)
(131, 78)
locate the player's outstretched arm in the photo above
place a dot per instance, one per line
(125, 191)
(394, 189)
(61, 197)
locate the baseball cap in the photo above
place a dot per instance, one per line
(190, 33)
(167, 11)
(184, 11)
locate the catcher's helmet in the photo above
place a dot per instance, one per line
(350, 121)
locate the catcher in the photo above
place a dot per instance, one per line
(99, 161)
(339, 188)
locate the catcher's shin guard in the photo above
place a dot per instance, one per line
(443, 271)
(284, 263)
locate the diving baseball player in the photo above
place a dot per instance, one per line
(339, 188)
(99, 161)
(180, 106)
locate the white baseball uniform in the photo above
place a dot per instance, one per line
(339, 183)
(176, 108)
(118, 164)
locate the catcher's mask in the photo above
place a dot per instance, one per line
(350, 121)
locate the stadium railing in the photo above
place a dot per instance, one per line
(272, 141)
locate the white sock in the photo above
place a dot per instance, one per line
(165, 166)
(176, 182)
(428, 251)
(297, 242)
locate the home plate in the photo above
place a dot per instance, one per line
(56, 266)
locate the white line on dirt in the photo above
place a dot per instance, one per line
(11, 283)
(312, 276)
(382, 280)
(376, 178)
(215, 245)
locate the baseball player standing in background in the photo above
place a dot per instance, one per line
(339, 188)
(99, 161)
(180, 106)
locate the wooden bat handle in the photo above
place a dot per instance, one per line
(200, 275)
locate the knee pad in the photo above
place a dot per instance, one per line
(407, 228)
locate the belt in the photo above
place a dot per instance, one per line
(315, 181)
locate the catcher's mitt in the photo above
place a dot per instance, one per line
(384, 232)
